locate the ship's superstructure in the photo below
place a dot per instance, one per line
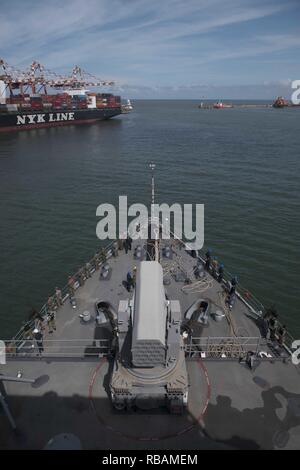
(127, 107)
(32, 106)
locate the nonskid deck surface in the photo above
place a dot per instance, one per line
(230, 406)
(69, 326)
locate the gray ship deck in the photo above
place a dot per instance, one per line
(230, 406)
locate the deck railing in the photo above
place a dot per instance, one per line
(30, 348)
(231, 347)
(205, 348)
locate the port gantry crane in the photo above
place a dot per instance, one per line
(37, 78)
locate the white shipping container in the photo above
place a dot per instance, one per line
(92, 102)
(2, 92)
(12, 107)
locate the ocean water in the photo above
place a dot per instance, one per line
(243, 164)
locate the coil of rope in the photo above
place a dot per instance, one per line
(198, 286)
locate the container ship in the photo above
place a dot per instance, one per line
(26, 103)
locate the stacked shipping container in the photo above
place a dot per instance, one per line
(62, 101)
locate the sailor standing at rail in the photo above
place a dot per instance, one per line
(38, 336)
(134, 277)
(220, 272)
(129, 281)
(27, 331)
(58, 295)
(233, 283)
(50, 303)
(265, 327)
(87, 270)
(129, 242)
(115, 249)
(215, 265)
(51, 321)
(208, 259)
(250, 359)
(273, 324)
(71, 286)
(281, 335)
(102, 255)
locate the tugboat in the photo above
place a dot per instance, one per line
(280, 102)
(221, 105)
(154, 346)
(127, 108)
(218, 105)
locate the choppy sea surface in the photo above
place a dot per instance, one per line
(243, 164)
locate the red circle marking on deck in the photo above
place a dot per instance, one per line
(167, 436)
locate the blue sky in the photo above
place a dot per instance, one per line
(162, 49)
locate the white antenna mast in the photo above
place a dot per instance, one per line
(156, 230)
(152, 168)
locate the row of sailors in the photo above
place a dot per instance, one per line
(217, 270)
(212, 264)
(271, 329)
(86, 271)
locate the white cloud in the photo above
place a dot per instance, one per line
(139, 42)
